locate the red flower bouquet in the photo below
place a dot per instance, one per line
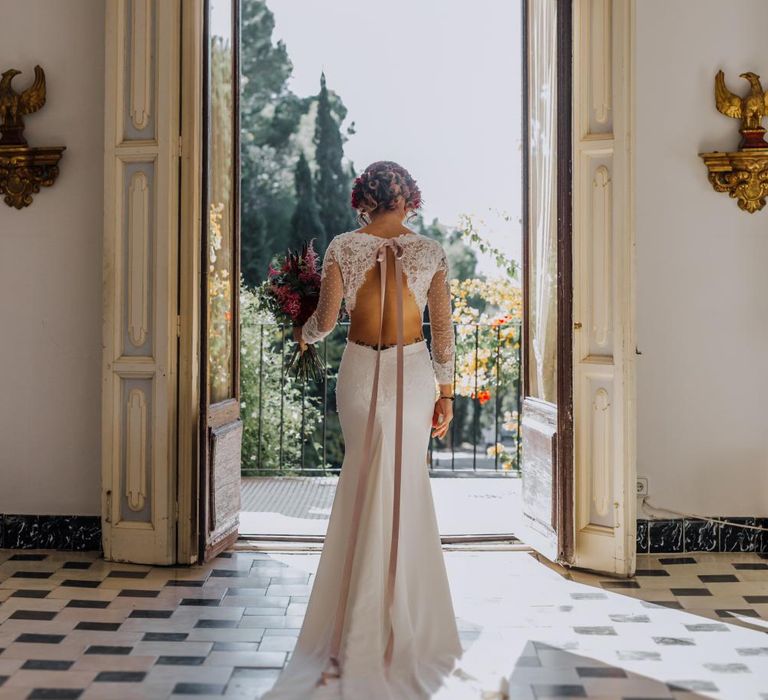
(290, 294)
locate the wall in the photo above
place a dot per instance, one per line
(50, 269)
(702, 287)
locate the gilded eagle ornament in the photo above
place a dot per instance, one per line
(750, 109)
(23, 169)
(14, 105)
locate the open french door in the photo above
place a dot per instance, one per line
(578, 347)
(221, 428)
(140, 263)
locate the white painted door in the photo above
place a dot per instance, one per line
(141, 192)
(603, 261)
(578, 409)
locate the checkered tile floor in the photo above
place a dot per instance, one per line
(74, 626)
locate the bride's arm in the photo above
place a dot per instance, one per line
(443, 345)
(325, 316)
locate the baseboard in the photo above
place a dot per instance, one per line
(684, 535)
(76, 533)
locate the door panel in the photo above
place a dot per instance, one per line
(221, 429)
(547, 420)
(603, 279)
(141, 194)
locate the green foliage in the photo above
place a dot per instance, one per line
(468, 231)
(271, 397)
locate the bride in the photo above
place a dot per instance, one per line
(380, 622)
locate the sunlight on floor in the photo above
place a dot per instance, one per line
(302, 505)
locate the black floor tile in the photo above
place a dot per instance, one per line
(216, 624)
(733, 612)
(595, 630)
(33, 615)
(683, 592)
(693, 686)
(55, 694)
(674, 641)
(120, 677)
(152, 614)
(601, 672)
(47, 665)
(31, 638)
(673, 561)
(169, 660)
(98, 604)
(98, 626)
(198, 689)
(164, 636)
(80, 583)
(32, 574)
(108, 650)
(137, 593)
(718, 578)
(672, 604)
(30, 593)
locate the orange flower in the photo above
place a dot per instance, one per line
(483, 396)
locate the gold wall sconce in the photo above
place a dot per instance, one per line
(23, 169)
(743, 174)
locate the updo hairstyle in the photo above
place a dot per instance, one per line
(377, 188)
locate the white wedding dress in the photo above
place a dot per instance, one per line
(387, 621)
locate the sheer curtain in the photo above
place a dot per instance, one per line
(542, 321)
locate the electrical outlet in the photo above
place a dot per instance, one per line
(641, 486)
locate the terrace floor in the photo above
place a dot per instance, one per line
(301, 505)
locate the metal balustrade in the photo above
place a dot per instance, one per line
(484, 438)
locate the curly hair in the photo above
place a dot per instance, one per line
(378, 187)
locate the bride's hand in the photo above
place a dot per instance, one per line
(442, 417)
(297, 337)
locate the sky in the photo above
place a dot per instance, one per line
(434, 85)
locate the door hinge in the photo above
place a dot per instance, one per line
(176, 511)
(178, 326)
(178, 146)
(108, 507)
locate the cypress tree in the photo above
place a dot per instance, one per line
(332, 184)
(306, 223)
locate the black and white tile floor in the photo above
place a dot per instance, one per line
(74, 626)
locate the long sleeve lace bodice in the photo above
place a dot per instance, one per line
(347, 261)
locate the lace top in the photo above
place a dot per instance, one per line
(348, 259)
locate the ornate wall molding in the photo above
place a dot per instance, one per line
(141, 54)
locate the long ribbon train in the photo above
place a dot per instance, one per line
(335, 663)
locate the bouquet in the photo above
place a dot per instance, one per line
(290, 294)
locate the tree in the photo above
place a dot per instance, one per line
(333, 185)
(306, 223)
(269, 118)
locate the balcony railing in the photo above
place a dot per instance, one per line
(291, 427)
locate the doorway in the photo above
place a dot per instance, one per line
(307, 117)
